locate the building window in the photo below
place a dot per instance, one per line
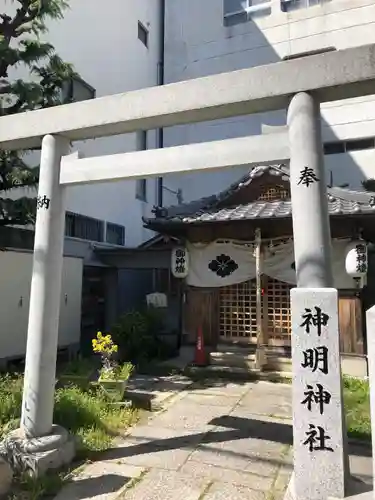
(75, 89)
(141, 140)
(83, 227)
(143, 34)
(288, 5)
(239, 11)
(141, 187)
(115, 234)
(333, 148)
(360, 144)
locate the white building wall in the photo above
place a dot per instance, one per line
(16, 270)
(100, 38)
(198, 44)
(108, 55)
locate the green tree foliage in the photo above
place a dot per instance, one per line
(23, 50)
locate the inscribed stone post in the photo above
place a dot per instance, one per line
(319, 462)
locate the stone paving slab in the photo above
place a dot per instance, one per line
(100, 481)
(166, 485)
(220, 458)
(166, 437)
(212, 399)
(145, 454)
(226, 491)
(250, 449)
(277, 405)
(185, 415)
(264, 427)
(361, 464)
(227, 475)
(283, 477)
(221, 387)
(273, 388)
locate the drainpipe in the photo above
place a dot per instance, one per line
(160, 81)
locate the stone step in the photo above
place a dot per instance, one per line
(247, 361)
(279, 363)
(249, 349)
(151, 393)
(235, 348)
(232, 359)
(238, 373)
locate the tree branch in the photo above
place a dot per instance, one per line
(9, 27)
(23, 15)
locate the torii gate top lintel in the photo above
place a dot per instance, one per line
(331, 76)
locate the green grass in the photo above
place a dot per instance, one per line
(78, 367)
(357, 408)
(47, 486)
(85, 413)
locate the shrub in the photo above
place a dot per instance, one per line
(78, 368)
(11, 388)
(155, 320)
(136, 333)
(357, 407)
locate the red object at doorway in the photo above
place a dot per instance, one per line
(200, 353)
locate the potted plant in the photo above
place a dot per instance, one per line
(113, 377)
(77, 372)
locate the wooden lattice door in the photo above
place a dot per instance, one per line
(237, 312)
(276, 312)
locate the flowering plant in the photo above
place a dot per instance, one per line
(111, 370)
(104, 345)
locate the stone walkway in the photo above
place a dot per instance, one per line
(213, 440)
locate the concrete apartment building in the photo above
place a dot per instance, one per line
(215, 36)
(115, 47)
(123, 45)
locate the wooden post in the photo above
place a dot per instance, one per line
(260, 354)
(265, 310)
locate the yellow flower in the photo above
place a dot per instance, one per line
(104, 344)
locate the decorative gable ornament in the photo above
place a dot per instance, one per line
(356, 262)
(180, 262)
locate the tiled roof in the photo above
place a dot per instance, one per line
(267, 210)
(340, 202)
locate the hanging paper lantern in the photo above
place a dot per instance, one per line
(356, 262)
(180, 262)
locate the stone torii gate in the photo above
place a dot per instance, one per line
(300, 85)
